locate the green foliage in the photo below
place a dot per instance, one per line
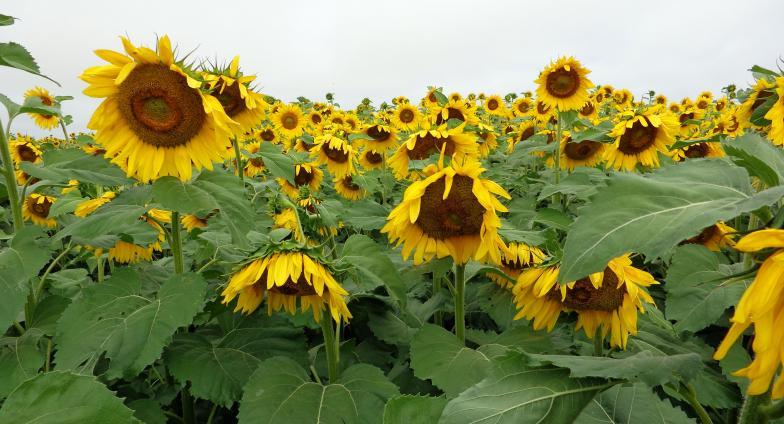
(629, 404)
(15, 56)
(410, 409)
(20, 261)
(60, 166)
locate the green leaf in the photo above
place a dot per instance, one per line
(235, 208)
(280, 392)
(20, 360)
(22, 260)
(16, 56)
(645, 367)
(408, 409)
(390, 328)
(148, 411)
(373, 264)
(699, 288)
(280, 164)
(363, 214)
(218, 364)
(175, 195)
(64, 397)
(65, 204)
(520, 336)
(11, 106)
(132, 328)
(62, 165)
(651, 214)
(438, 355)
(111, 219)
(760, 157)
(553, 218)
(582, 183)
(6, 20)
(523, 396)
(36, 105)
(631, 404)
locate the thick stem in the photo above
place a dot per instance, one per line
(690, 395)
(331, 347)
(65, 131)
(100, 268)
(748, 257)
(238, 158)
(176, 244)
(750, 412)
(557, 158)
(773, 410)
(188, 412)
(460, 302)
(598, 343)
(10, 180)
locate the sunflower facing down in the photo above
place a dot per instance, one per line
(306, 174)
(89, 206)
(336, 153)
(406, 117)
(154, 120)
(564, 84)
(371, 160)
(124, 252)
(36, 209)
(287, 278)
(452, 212)
(762, 305)
(776, 115)
(46, 122)
(382, 138)
(239, 101)
(289, 120)
(715, 237)
(348, 189)
(514, 260)
(639, 138)
(253, 166)
(192, 222)
(699, 150)
(422, 144)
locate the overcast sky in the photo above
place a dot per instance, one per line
(380, 49)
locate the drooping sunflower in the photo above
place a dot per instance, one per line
(239, 101)
(89, 206)
(495, 105)
(406, 117)
(192, 222)
(348, 189)
(336, 153)
(714, 237)
(776, 115)
(453, 109)
(36, 209)
(639, 138)
(382, 138)
(288, 278)
(514, 260)
(289, 120)
(589, 110)
(44, 121)
(371, 160)
(305, 175)
(526, 130)
(452, 212)
(23, 149)
(760, 93)
(699, 150)
(126, 253)
(584, 153)
(522, 106)
(253, 166)
(564, 84)
(154, 120)
(422, 144)
(761, 306)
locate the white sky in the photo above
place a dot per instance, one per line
(380, 49)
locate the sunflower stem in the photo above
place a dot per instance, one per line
(188, 412)
(331, 347)
(598, 343)
(438, 317)
(748, 257)
(10, 178)
(65, 131)
(238, 159)
(100, 268)
(557, 158)
(751, 411)
(40, 287)
(460, 302)
(690, 395)
(773, 410)
(176, 244)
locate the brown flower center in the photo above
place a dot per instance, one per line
(761, 98)
(588, 109)
(373, 157)
(460, 214)
(26, 153)
(406, 116)
(428, 144)
(335, 155)
(432, 98)
(638, 138)
(290, 287)
(704, 235)
(542, 108)
(562, 83)
(378, 134)
(492, 104)
(303, 177)
(699, 150)
(527, 133)
(686, 117)
(315, 118)
(349, 183)
(289, 120)
(582, 150)
(452, 113)
(584, 296)
(231, 100)
(267, 135)
(41, 209)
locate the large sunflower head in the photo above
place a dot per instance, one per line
(421, 145)
(289, 120)
(154, 120)
(406, 117)
(233, 91)
(36, 209)
(286, 279)
(370, 159)
(639, 138)
(564, 84)
(23, 149)
(44, 121)
(452, 213)
(336, 153)
(516, 258)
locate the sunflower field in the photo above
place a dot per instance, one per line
(206, 253)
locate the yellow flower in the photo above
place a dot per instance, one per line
(514, 260)
(285, 278)
(422, 144)
(24, 150)
(639, 138)
(776, 115)
(699, 150)
(382, 138)
(371, 160)
(406, 117)
(46, 122)
(714, 237)
(759, 95)
(522, 106)
(89, 206)
(255, 165)
(289, 120)
(124, 252)
(336, 153)
(563, 84)
(495, 105)
(239, 101)
(154, 120)
(584, 153)
(36, 208)
(348, 189)
(305, 175)
(762, 305)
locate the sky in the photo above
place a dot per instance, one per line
(381, 49)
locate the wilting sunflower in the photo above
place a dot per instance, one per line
(36, 208)
(406, 117)
(382, 138)
(254, 165)
(154, 120)
(514, 260)
(305, 175)
(699, 150)
(452, 212)
(44, 121)
(289, 120)
(714, 237)
(522, 106)
(495, 105)
(639, 138)
(336, 153)
(24, 150)
(239, 101)
(564, 84)
(421, 145)
(371, 160)
(89, 206)
(348, 189)
(583, 153)
(762, 305)
(776, 115)
(286, 278)
(606, 301)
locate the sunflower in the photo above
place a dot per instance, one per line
(371, 160)
(289, 120)
(660, 100)
(254, 165)
(589, 110)
(759, 95)
(239, 101)
(287, 218)
(720, 104)
(542, 112)
(315, 120)
(160, 215)
(382, 138)
(486, 140)
(406, 117)
(699, 150)
(495, 105)
(24, 150)
(776, 115)
(44, 121)
(453, 109)
(336, 153)
(267, 134)
(93, 150)
(125, 253)
(762, 305)
(522, 106)
(452, 212)
(89, 206)
(563, 84)
(352, 122)
(430, 100)
(36, 208)
(422, 144)
(192, 222)
(622, 97)
(154, 120)
(348, 189)
(286, 277)
(72, 186)
(714, 237)
(639, 137)
(526, 130)
(514, 260)
(584, 153)
(305, 175)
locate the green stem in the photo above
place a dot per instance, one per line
(438, 317)
(19, 328)
(176, 243)
(65, 131)
(557, 158)
(748, 257)
(460, 302)
(48, 362)
(598, 343)
(188, 412)
(238, 159)
(40, 287)
(690, 395)
(331, 347)
(293, 207)
(773, 410)
(10, 179)
(100, 268)
(750, 411)
(212, 413)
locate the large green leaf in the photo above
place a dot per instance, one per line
(280, 392)
(175, 195)
(18, 263)
(235, 208)
(699, 288)
(279, 164)
(759, 156)
(14, 55)
(631, 404)
(373, 265)
(218, 364)
(64, 398)
(438, 355)
(62, 165)
(132, 329)
(20, 360)
(409, 409)
(108, 223)
(521, 396)
(651, 214)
